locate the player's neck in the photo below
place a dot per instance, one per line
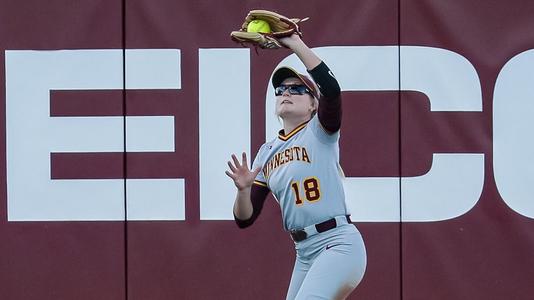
(291, 123)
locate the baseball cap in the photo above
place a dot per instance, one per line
(283, 73)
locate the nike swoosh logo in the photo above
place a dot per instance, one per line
(330, 246)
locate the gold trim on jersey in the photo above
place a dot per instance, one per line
(260, 183)
(292, 133)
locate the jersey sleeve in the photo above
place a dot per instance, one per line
(258, 194)
(329, 110)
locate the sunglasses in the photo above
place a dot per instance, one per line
(292, 89)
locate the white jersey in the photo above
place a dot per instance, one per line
(302, 171)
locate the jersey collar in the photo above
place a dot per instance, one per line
(292, 133)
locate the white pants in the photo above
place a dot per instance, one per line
(328, 265)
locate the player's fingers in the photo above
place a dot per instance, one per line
(231, 167)
(244, 159)
(256, 171)
(230, 175)
(236, 162)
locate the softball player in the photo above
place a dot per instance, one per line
(301, 169)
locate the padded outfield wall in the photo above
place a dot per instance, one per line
(118, 117)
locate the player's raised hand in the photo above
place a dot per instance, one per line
(291, 41)
(239, 172)
(306, 55)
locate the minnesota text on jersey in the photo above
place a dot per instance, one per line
(283, 157)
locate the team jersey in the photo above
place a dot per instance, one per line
(302, 171)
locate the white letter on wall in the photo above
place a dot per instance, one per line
(224, 125)
(513, 126)
(31, 135)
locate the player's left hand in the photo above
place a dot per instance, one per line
(240, 173)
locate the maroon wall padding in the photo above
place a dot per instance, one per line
(59, 260)
(484, 254)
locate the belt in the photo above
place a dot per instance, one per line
(302, 234)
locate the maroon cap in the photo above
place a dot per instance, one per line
(283, 73)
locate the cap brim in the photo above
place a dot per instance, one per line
(283, 73)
